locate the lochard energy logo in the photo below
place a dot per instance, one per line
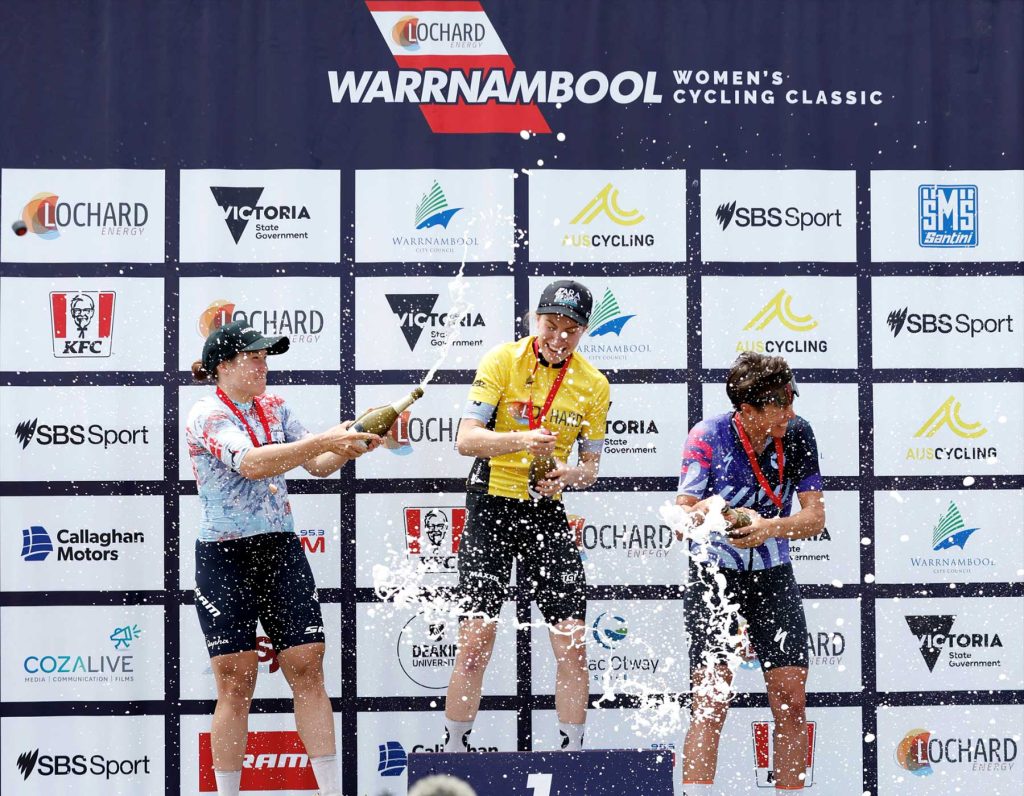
(947, 416)
(920, 749)
(947, 216)
(46, 216)
(300, 324)
(779, 310)
(415, 313)
(241, 205)
(82, 322)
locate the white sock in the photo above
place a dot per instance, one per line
(698, 789)
(456, 735)
(571, 735)
(325, 769)
(228, 782)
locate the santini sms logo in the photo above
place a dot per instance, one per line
(947, 216)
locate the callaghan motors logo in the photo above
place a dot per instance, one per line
(947, 216)
(46, 216)
(241, 205)
(777, 317)
(605, 206)
(82, 322)
(920, 749)
(947, 418)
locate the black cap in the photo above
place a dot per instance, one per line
(235, 337)
(567, 298)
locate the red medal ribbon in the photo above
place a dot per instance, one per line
(238, 413)
(535, 422)
(749, 449)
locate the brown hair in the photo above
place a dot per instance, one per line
(201, 374)
(753, 377)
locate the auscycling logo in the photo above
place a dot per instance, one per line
(779, 311)
(605, 206)
(947, 216)
(947, 416)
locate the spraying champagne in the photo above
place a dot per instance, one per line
(380, 420)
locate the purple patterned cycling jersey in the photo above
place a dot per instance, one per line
(714, 463)
(234, 506)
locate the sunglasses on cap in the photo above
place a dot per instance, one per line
(783, 397)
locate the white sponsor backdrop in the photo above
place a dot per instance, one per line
(100, 543)
(642, 324)
(418, 731)
(833, 556)
(481, 229)
(120, 215)
(646, 429)
(914, 746)
(895, 216)
(316, 407)
(963, 536)
(832, 411)
(83, 755)
(121, 433)
(949, 643)
(815, 211)
(83, 653)
(951, 322)
(949, 429)
(306, 309)
(402, 324)
(26, 324)
(403, 651)
(607, 216)
(809, 320)
(257, 203)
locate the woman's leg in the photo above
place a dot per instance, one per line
(572, 686)
(476, 642)
(303, 668)
(787, 696)
(710, 691)
(235, 675)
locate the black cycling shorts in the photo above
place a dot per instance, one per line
(264, 577)
(769, 599)
(534, 532)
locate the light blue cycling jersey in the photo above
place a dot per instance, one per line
(714, 463)
(234, 506)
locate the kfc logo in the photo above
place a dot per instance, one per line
(432, 533)
(83, 322)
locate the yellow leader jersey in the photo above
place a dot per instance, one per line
(506, 380)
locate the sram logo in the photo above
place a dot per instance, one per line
(274, 761)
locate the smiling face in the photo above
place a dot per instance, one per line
(773, 418)
(245, 374)
(558, 336)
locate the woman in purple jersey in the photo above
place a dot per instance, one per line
(756, 458)
(249, 563)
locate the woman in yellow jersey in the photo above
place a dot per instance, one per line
(532, 398)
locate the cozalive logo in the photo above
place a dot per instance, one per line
(274, 761)
(429, 36)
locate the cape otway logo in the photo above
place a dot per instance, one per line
(241, 205)
(947, 416)
(945, 323)
(764, 753)
(779, 311)
(415, 312)
(934, 632)
(947, 216)
(45, 215)
(82, 323)
(605, 205)
(301, 325)
(774, 217)
(28, 431)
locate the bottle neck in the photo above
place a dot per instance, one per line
(404, 403)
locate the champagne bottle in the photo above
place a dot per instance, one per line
(379, 421)
(540, 466)
(736, 520)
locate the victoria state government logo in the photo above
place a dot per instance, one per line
(935, 634)
(241, 205)
(415, 313)
(779, 312)
(947, 416)
(82, 322)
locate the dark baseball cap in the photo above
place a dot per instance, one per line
(235, 337)
(567, 298)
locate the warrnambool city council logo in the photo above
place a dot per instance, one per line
(82, 322)
(433, 209)
(947, 216)
(951, 530)
(607, 317)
